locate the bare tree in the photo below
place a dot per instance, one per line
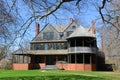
(112, 46)
(38, 9)
(45, 9)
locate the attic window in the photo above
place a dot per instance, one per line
(73, 27)
(61, 34)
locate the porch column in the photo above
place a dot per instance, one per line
(70, 63)
(75, 56)
(45, 60)
(68, 58)
(19, 59)
(75, 53)
(83, 58)
(84, 61)
(56, 58)
(90, 59)
(23, 58)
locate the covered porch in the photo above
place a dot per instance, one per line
(79, 62)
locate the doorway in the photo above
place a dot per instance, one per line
(50, 60)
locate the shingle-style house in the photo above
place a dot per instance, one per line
(70, 47)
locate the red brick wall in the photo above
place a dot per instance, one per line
(42, 65)
(78, 67)
(88, 67)
(20, 66)
(93, 67)
(27, 66)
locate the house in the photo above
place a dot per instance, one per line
(70, 47)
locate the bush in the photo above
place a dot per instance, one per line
(5, 64)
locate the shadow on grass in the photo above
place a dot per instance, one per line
(71, 77)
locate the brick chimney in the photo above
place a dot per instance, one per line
(93, 27)
(71, 20)
(37, 28)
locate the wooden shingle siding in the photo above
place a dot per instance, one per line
(56, 34)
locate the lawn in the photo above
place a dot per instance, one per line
(56, 75)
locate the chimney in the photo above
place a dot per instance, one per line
(93, 27)
(37, 28)
(71, 20)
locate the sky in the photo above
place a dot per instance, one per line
(87, 15)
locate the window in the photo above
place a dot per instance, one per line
(41, 46)
(61, 34)
(58, 46)
(32, 46)
(37, 46)
(50, 46)
(73, 27)
(48, 35)
(45, 35)
(69, 32)
(45, 46)
(64, 45)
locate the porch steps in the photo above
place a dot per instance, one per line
(49, 67)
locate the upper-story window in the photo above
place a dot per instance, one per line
(61, 34)
(48, 35)
(68, 33)
(73, 27)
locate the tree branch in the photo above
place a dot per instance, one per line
(50, 12)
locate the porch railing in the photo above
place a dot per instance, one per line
(82, 50)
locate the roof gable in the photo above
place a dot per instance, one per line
(47, 28)
(69, 27)
(80, 32)
(61, 28)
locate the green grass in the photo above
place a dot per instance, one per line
(56, 75)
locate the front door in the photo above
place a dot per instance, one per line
(50, 60)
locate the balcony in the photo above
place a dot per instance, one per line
(82, 50)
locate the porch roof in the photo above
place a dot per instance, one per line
(48, 52)
(48, 41)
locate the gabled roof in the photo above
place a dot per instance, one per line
(80, 32)
(20, 51)
(61, 28)
(70, 25)
(47, 26)
(37, 37)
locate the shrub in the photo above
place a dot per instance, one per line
(5, 64)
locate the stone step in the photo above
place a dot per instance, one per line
(50, 67)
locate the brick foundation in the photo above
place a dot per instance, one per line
(20, 66)
(27, 66)
(77, 67)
